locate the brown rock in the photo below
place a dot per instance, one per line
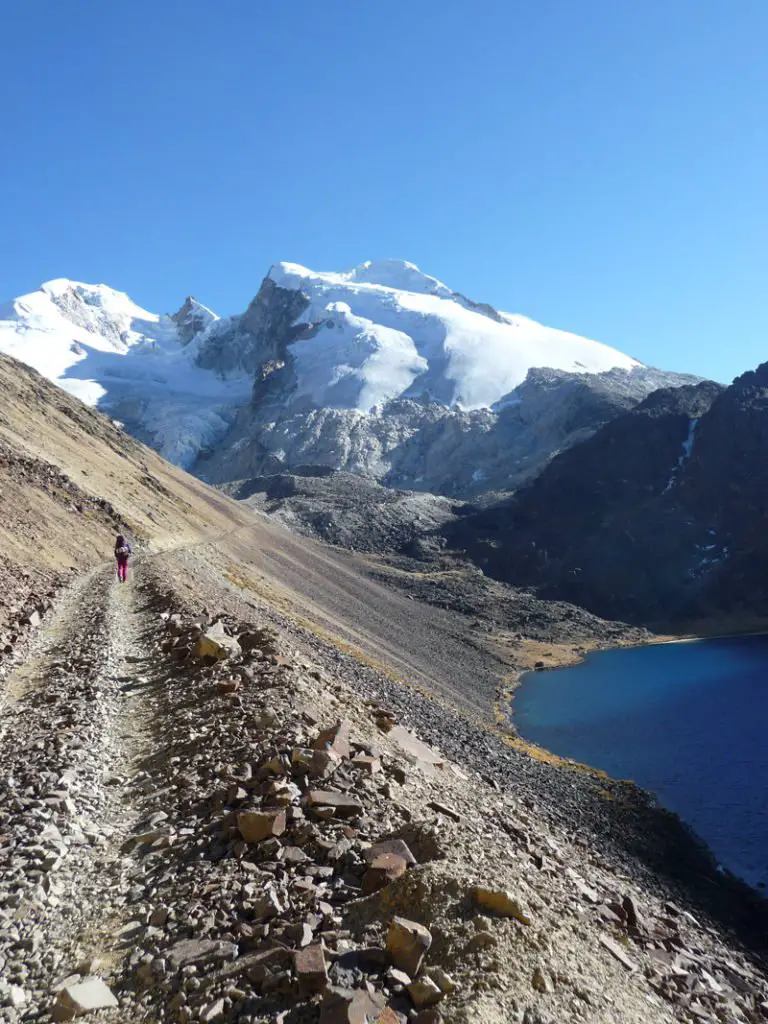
(635, 919)
(397, 846)
(257, 825)
(388, 1016)
(311, 969)
(407, 943)
(414, 748)
(449, 812)
(198, 951)
(615, 950)
(225, 686)
(215, 643)
(366, 763)
(343, 805)
(335, 739)
(428, 1017)
(384, 869)
(324, 763)
(424, 992)
(500, 902)
(347, 1006)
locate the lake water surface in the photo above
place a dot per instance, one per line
(688, 721)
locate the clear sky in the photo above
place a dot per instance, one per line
(598, 165)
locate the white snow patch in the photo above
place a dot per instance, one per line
(683, 458)
(426, 339)
(104, 349)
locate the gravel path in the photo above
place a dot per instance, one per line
(72, 730)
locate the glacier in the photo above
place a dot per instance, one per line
(380, 370)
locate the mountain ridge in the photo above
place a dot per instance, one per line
(378, 371)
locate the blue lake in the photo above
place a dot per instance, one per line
(688, 721)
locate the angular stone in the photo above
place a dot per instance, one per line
(398, 846)
(442, 979)
(215, 643)
(449, 812)
(256, 966)
(194, 951)
(615, 950)
(384, 869)
(366, 763)
(267, 905)
(388, 1016)
(500, 902)
(17, 996)
(635, 919)
(311, 969)
(324, 764)
(414, 748)
(335, 739)
(227, 686)
(540, 981)
(83, 997)
(407, 943)
(254, 826)
(214, 1011)
(344, 805)
(424, 992)
(347, 1006)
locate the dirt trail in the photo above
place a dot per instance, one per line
(74, 728)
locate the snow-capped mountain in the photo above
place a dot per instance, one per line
(385, 330)
(140, 367)
(381, 370)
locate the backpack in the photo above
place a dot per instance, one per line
(123, 551)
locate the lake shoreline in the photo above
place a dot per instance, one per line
(692, 802)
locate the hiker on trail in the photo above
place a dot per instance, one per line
(122, 554)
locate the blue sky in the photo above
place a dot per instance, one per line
(599, 166)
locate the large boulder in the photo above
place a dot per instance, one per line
(215, 643)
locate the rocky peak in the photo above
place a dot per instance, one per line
(192, 319)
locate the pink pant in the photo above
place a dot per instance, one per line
(122, 569)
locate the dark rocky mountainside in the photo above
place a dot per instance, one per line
(659, 518)
(350, 511)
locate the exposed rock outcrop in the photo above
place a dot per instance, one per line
(659, 518)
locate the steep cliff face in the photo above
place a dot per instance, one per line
(661, 516)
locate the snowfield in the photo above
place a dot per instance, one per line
(379, 332)
(100, 346)
(392, 332)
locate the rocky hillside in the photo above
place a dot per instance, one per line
(209, 813)
(382, 371)
(255, 786)
(658, 518)
(350, 511)
(69, 481)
